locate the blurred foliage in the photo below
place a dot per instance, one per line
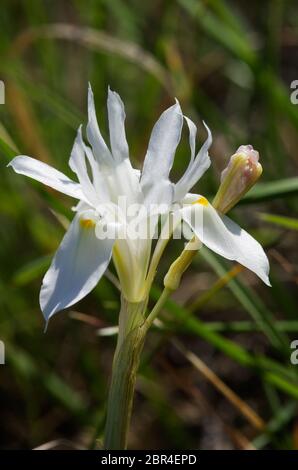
(231, 66)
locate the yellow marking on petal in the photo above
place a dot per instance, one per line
(201, 200)
(87, 223)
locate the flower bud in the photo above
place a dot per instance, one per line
(178, 267)
(237, 178)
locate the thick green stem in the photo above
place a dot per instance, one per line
(132, 331)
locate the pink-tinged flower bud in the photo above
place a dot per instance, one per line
(237, 178)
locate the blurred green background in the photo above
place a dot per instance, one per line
(216, 370)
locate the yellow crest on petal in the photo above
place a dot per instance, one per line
(87, 223)
(201, 200)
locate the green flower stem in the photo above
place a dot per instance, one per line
(132, 332)
(178, 267)
(133, 326)
(158, 306)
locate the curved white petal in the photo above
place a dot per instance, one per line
(124, 182)
(99, 147)
(225, 237)
(116, 115)
(189, 198)
(47, 175)
(76, 268)
(93, 185)
(192, 139)
(158, 162)
(81, 206)
(98, 176)
(197, 165)
(156, 194)
(77, 163)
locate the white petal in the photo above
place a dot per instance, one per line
(81, 206)
(77, 163)
(76, 268)
(95, 188)
(99, 147)
(124, 181)
(197, 166)
(156, 194)
(125, 177)
(116, 116)
(158, 162)
(190, 198)
(225, 237)
(47, 175)
(192, 138)
(99, 180)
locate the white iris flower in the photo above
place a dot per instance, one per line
(105, 175)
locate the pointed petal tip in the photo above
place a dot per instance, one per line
(90, 92)
(14, 160)
(177, 106)
(47, 312)
(265, 277)
(19, 160)
(208, 130)
(90, 89)
(90, 102)
(79, 135)
(111, 92)
(113, 95)
(46, 326)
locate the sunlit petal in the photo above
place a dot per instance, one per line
(47, 175)
(76, 268)
(77, 163)
(158, 162)
(197, 165)
(225, 237)
(99, 147)
(116, 114)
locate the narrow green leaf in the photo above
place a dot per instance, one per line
(31, 270)
(25, 365)
(272, 190)
(282, 221)
(252, 304)
(248, 326)
(261, 364)
(6, 151)
(238, 44)
(282, 418)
